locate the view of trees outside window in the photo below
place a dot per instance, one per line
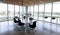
(3, 12)
(9, 12)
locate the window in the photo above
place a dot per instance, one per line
(56, 11)
(48, 7)
(32, 11)
(16, 10)
(41, 10)
(11, 11)
(3, 11)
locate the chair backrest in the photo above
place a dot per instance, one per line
(34, 23)
(24, 17)
(16, 19)
(30, 18)
(19, 22)
(53, 17)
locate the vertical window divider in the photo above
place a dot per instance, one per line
(8, 17)
(19, 10)
(33, 11)
(30, 10)
(38, 11)
(14, 14)
(51, 16)
(43, 17)
(0, 27)
(22, 9)
(14, 10)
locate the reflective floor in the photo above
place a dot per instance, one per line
(7, 28)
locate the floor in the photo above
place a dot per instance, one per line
(8, 28)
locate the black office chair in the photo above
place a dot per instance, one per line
(24, 17)
(45, 17)
(32, 27)
(21, 25)
(53, 17)
(16, 19)
(30, 18)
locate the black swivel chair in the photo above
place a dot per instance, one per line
(32, 27)
(53, 17)
(24, 17)
(30, 18)
(16, 21)
(21, 25)
(45, 17)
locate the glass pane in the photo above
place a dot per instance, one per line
(48, 12)
(3, 18)
(11, 12)
(41, 10)
(31, 11)
(21, 12)
(56, 11)
(3, 12)
(11, 16)
(58, 20)
(36, 12)
(16, 10)
(24, 9)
